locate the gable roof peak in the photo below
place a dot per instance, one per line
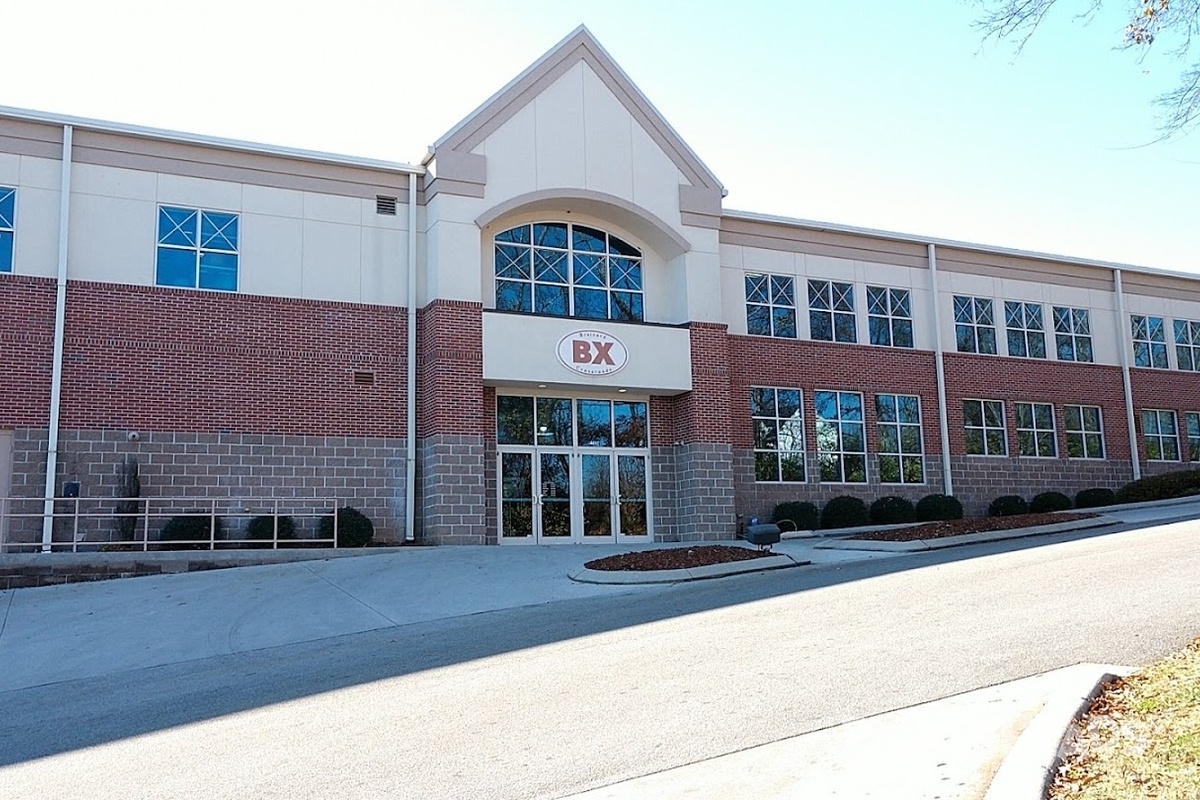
(578, 45)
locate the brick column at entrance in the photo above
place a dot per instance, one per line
(451, 423)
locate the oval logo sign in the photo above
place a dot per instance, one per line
(592, 353)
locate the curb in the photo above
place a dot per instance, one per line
(1029, 768)
(919, 545)
(630, 577)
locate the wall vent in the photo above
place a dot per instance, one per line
(385, 205)
(364, 378)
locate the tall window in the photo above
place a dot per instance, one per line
(841, 437)
(1035, 430)
(8, 218)
(1023, 323)
(1149, 342)
(771, 305)
(1072, 334)
(831, 311)
(568, 270)
(983, 427)
(889, 316)
(778, 434)
(1191, 423)
(1187, 344)
(901, 452)
(1160, 435)
(974, 325)
(1085, 434)
(197, 249)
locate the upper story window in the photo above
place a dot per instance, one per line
(1187, 344)
(1149, 342)
(974, 325)
(8, 218)
(889, 316)
(1023, 323)
(1072, 334)
(568, 270)
(197, 249)
(831, 311)
(771, 305)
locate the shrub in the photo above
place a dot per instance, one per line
(1049, 501)
(1160, 487)
(263, 528)
(938, 507)
(1009, 505)
(891, 510)
(188, 528)
(803, 515)
(1095, 498)
(354, 529)
(844, 512)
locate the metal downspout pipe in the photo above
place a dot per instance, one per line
(410, 459)
(1123, 349)
(60, 324)
(943, 424)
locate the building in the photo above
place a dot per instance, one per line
(550, 330)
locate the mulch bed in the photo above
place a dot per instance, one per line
(960, 527)
(675, 558)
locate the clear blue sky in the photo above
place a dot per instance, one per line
(879, 114)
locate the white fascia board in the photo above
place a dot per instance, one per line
(82, 123)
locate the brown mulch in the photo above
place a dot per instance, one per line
(960, 527)
(675, 558)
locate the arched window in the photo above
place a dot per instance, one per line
(568, 270)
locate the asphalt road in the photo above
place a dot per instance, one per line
(549, 700)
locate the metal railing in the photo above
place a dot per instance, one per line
(132, 524)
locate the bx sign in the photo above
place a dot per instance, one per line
(592, 353)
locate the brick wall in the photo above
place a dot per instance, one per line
(1176, 391)
(26, 350)
(978, 480)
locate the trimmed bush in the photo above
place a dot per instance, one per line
(1009, 505)
(938, 508)
(1049, 501)
(803, 515)
(1160, 487)
(1095, 498)
(182, 529)
(892, 510)
(262, 529)
(354, 529)
(844, 512)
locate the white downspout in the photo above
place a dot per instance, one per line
(943, 424)
(410, 462)
(60, 324)
(1122, 347)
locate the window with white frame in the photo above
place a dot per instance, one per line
(771, 305)
(1035, 430)
(778, 419)
(197, 249)
(568, 270)
(841, 437)
(831, 311)
(1191, 425)
(1085, 431)
(1023, 324)
(983, 428)
(901, 449)
(1187, 344)
(1160, 435)
(974, 325)
(1149, 341)
(8, 227)
(889, 316)
(1072, 334)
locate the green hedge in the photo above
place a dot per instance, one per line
(180, 530)
(844, 512)
(892, 510)
(938, 508)
(262, 529)
(1049, 501)
(1161, 487)
(1009, 505)
(803, 515)
(1095, 498)
(354, 529)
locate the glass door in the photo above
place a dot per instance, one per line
(597, 495)
(554, 497)
(516, 496)
(633, 511)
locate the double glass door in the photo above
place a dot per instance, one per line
(588, 483)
